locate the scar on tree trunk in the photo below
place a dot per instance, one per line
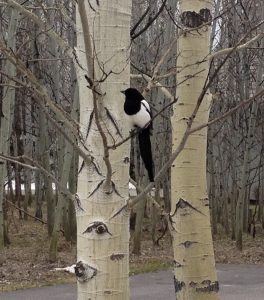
(192, 19)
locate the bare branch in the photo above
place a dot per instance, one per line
(21, 160)
(25, 212)
(132, 31)
(240, 47)
(228, 113)
(150, 21)
(84, 153)
(17, 161)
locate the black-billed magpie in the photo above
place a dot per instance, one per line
(138, 111)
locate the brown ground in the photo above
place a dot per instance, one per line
(24, 262)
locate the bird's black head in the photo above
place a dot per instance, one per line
(133, 94)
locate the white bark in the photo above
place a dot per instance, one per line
(102, 243)
(195, 276)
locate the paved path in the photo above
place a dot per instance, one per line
(237, 282)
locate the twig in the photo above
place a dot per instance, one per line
(25, 212)
(139, 21)
(20, 160)
(240, 47)
(228, 113)
(28, 214)
(150, 21)
(16, 161)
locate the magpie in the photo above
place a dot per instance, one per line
(138, 111)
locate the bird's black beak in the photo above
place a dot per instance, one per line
(123, 92)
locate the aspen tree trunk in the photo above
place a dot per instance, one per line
(195, 276)
(102, 242)
(62, 201)
(75, 113)
(27, 146)
(6, 120)
(140, 211)
(61, 209)
(18, 193)
(49, 197)
(223, 197)
(212, 197)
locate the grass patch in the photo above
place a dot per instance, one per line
(15, 286)
(149, 265)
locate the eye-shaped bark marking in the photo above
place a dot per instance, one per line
(188, 244)
(98, 226)
(117, 256)
(95, 167)
(84, 272)
(108, 193)
(182, 204)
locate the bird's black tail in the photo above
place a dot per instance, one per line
(145, 151)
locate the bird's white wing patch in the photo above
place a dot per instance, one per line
(141, 118)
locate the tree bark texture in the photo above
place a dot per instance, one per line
(195, 275)
(103, 242)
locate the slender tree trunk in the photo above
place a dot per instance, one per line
(223, 193)
(73, 172)
(154, 215)
(6, 119)
(195, 275)
(140, 211)
(18, 193)
(212, 198)
(62, 201)
(39, 179)
(75, 114)
(27, 146)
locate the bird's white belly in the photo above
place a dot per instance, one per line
(140, 119)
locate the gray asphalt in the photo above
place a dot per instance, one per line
(237, 282)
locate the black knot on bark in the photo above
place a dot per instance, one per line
(117, 256)
(84, 272)
(192, 19)
(97, 226)
(178, 285)
(208, 286)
